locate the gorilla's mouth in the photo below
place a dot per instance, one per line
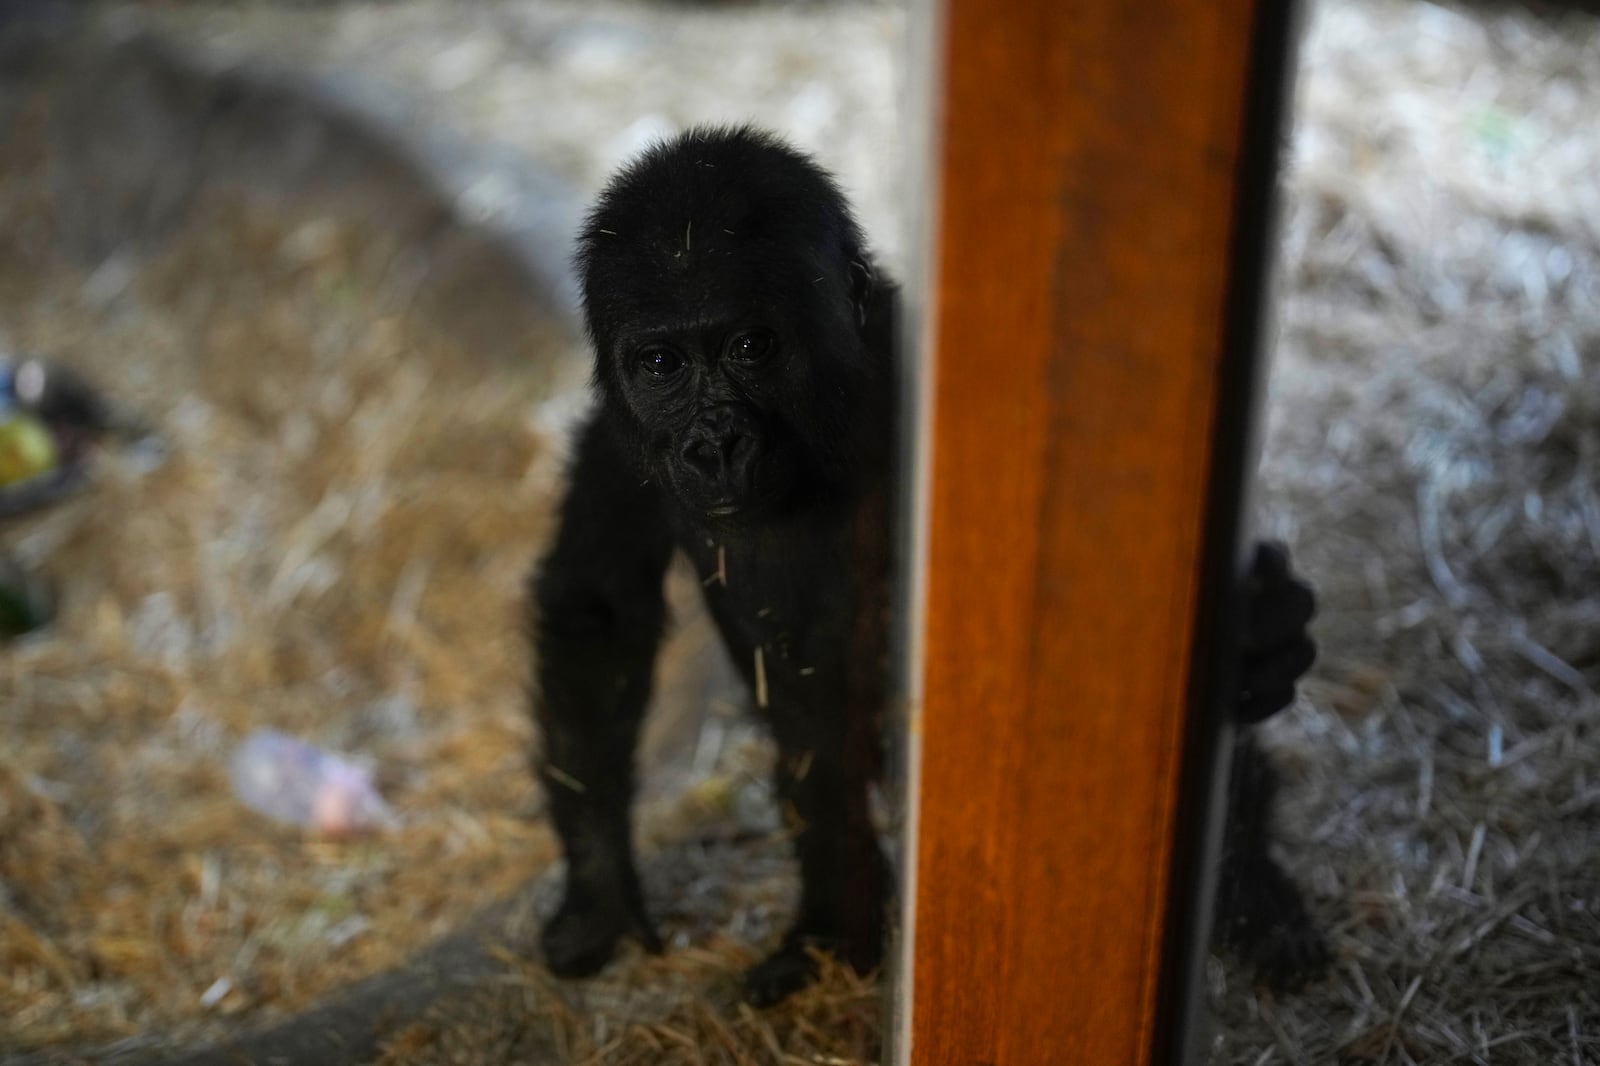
(758, 490)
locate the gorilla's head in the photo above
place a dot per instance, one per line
(726, 292)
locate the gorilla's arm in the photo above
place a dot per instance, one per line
(598, 620)
(1260, 913)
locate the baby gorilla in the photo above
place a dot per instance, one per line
(744, 361)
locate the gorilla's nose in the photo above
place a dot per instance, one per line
(720, 446)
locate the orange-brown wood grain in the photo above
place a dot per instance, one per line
(1088, 163)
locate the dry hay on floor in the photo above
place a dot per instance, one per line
(686, 1010)
(1434, 456)
(722, 890)
(334, 546)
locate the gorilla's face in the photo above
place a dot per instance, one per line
(721, 286)
(716, 406)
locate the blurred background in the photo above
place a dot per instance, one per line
(301, 270)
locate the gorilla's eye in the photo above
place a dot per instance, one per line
(660, 361)
(752, 345)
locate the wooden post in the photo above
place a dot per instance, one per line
(1103, 177)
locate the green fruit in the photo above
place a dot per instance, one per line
(26, 449)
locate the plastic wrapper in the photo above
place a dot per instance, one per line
(295, 782)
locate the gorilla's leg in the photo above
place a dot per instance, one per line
(598, 621)
(826, 759)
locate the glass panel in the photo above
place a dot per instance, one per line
(1430, 459)
(268, 732)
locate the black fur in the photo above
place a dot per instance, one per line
(744, 351)
(766, 461)
(1260, 915)
(1259, 912)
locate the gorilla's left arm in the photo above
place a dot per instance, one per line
(1260, 912)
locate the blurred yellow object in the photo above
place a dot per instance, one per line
(717, 794)
(26, 449)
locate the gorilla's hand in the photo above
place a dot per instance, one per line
(1276, 649)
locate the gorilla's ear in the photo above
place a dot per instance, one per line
(863, 283)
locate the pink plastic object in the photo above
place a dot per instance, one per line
(292, 781)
